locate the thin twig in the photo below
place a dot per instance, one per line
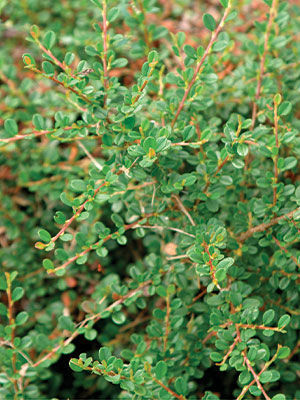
(277, 155)
(263, 60)
(286, 251)
(267, 364)
(262, 227)
(94, 161)
(199, 65)
(184, 210)
(95, 318)
(256, 377)
(104, 58)
(165, 227)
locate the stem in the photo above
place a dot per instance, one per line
(65, 86)
(174, 394)
(11, 323)
(94, 161)
(226, 159)
(94, 318)
(276, 157)
(56, 61)
(45, 132)
(286, 251)
(165, 227)
(93, 246)
(211, 267)
(262, 61)
(262, 327)
(231, 348)
(267, 364)
(146, 34)
(104, 59)
(78, 212)
(256, 377)
(167, 322)
(262, 227)
(184, 210)
(199, 65)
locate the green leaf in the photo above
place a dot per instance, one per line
(224, 3)
(153, 56)
(11, 127)
(90, 334)
(48, 264)
(44, 235)
(190, 51)
(38, 121)
(220, 45)
(209, 22)
(285, 108)
(289, 163)
(226, 180)
(17, 293)
(21, 318)
(60, 218)
(69, 58)
(119, 318)
(279, 396)
(78, 185)
(104, 353)
(49, 39)
(268, 317)
(48, 68)
(283, 352)
(284, 320)
(73, 365)
(216, 357)
(160, 369)
(65, 322)
(226, 263)
(265, 377)
(181, 386)
(112, 14)
(220, 274)
(242, 149)
(180, 38)
(119, 63)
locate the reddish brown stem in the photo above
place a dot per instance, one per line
(78, 212)
(267, 364)
(201, 62)
(256, 377)
(286, 251)
(95, 318)
(43, 132)
(211, 267)
(231, 348)
(104, 59)
(84, 252)
(216, 173)
(11, 322)
(262, 227)
(56, 61)
(276, 157)
(52, 78)
(167, 322)
(174, 394)
(262, 61)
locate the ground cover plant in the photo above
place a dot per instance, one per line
(149, 213)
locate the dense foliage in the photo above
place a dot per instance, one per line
(149, 212)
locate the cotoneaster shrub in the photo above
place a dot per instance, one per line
(150, 200)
